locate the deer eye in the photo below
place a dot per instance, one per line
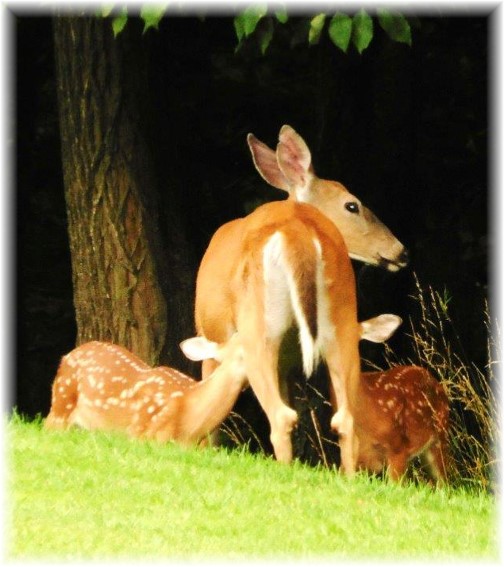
(352, 207)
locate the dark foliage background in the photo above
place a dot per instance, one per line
(403, 128)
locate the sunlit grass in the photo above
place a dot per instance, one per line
(80, 495)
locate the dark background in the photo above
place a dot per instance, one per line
(404, 128)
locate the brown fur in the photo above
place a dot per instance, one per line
(231, 291)
(104, 386)
(320, 225)
(402, 413)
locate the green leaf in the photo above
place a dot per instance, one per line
(316, 26)
(246, 22)
(340, 30)
(281, 15)
(105, 10)
(266, 35)
(239, 26)
(151, 14)
(362, 30)
(120, 21)
(395, 25)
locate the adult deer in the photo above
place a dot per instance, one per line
(402, 413)
(104, 386)
(287, 262)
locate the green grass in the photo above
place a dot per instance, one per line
(80, 495)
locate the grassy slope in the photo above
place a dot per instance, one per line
(81, 495)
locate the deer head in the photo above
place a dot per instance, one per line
(290, 169)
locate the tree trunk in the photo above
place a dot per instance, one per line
(117, 259)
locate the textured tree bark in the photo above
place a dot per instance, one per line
(109, 189)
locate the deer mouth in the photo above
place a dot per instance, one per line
(396, 264)
(391, 265)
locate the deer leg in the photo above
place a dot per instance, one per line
(344, 370)
(64, 398)
(435, 456)
(397, 464)
(262, 374)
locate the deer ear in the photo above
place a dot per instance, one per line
(265, 161)
(379, 329)
(199, 348)
(294, 160)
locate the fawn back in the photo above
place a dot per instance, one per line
(104, 386)
(402, 413)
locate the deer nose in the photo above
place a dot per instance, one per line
(404, 258)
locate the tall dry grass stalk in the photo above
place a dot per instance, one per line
(236, 431)
(473, 392)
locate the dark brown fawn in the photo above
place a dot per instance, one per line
(104, 386)
(402, 413)
(399, 413)
(288, 263)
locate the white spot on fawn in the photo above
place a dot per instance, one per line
(177, 394)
